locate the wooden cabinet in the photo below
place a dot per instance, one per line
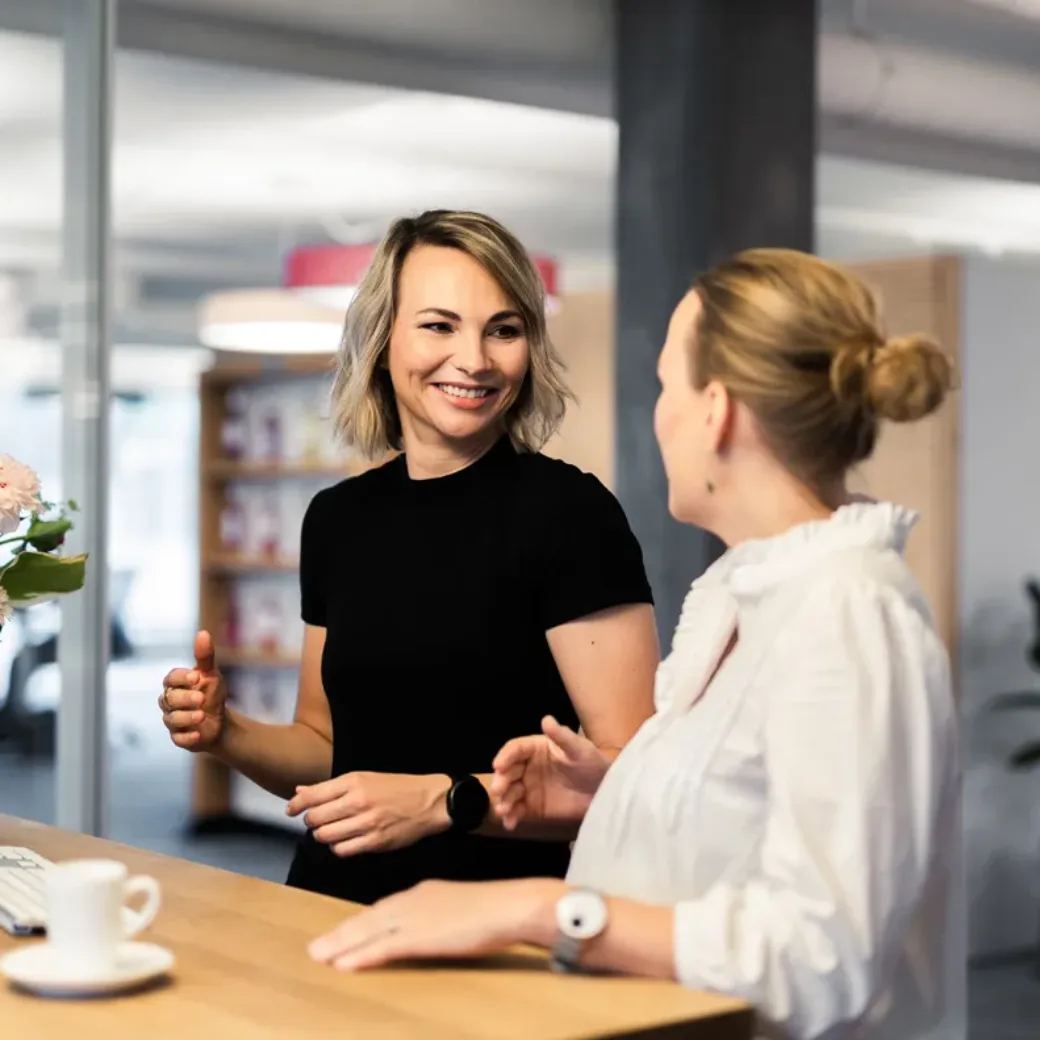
(249, 462)
(917, 464)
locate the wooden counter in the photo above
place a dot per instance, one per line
(242, 971)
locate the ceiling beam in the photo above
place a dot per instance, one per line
(585, 89)
(872, 141)
(40, 252)
(974, 30)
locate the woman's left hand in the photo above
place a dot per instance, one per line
(440, 919)
(373, 812)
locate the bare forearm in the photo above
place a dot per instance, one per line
(278, 758)
(533, 830)
(529, 830)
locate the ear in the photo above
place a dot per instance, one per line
(720, 413)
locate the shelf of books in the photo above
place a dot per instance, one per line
(266, 448)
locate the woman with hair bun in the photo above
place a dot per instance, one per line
(785, 828)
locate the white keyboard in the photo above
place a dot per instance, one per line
(22, 908)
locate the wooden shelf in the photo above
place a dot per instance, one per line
(213, 794)
(233, 368)
(255, 659)
(229, 563)
(226, 469)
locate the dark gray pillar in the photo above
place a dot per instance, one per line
(716, 106)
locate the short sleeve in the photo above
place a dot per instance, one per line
(314, 562)
(593, 560)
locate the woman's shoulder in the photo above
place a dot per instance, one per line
(349, 493)
(865, 597)
(866, 574)
(563, 482)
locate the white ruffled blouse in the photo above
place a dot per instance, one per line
(802, 811)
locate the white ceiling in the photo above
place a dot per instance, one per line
(203, 152)
(219, 169)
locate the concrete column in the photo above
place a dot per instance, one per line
(716, 106)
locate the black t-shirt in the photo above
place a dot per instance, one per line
(436, 596)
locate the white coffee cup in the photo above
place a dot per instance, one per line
(87, 913)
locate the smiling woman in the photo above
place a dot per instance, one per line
(451, 302)
(455, 372)
(454, 597)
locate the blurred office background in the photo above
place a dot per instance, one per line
(246, 129)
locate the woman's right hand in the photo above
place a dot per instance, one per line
(549, 778)
(192, 701)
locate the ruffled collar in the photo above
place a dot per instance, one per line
(753, 567)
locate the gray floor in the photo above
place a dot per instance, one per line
(149, 809)
(149, 797)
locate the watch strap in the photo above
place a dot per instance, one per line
(458, 816)
(565, 953)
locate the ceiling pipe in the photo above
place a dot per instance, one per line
(884, 82)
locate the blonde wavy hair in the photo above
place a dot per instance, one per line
(364, 407)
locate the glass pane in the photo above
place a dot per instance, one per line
(153, 581)
(170, 252)
(30, 402)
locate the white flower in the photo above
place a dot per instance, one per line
(5, 606)
(19, 493)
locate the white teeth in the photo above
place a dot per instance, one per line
(459, 391)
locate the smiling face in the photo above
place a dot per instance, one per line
(458, 350)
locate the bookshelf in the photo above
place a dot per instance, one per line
(265, 449)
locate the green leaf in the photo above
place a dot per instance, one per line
(33, 576)
(47, 535)
(1025, 757)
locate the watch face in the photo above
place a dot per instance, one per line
(581, 914)
(468, 803)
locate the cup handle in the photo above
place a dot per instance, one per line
(141, 884)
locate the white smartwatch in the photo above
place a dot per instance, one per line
(581, 915)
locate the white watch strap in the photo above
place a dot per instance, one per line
(581, 915)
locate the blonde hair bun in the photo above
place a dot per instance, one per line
(907, 378)
(798, 341)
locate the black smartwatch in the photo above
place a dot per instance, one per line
(468, 803)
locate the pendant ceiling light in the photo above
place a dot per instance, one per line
(268, 321)
(327, 274)
(331, 274)
(306, 315)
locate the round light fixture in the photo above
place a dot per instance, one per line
(306, 315)
(327, 274)
(269, 321)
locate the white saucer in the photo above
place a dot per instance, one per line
(37, 969)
